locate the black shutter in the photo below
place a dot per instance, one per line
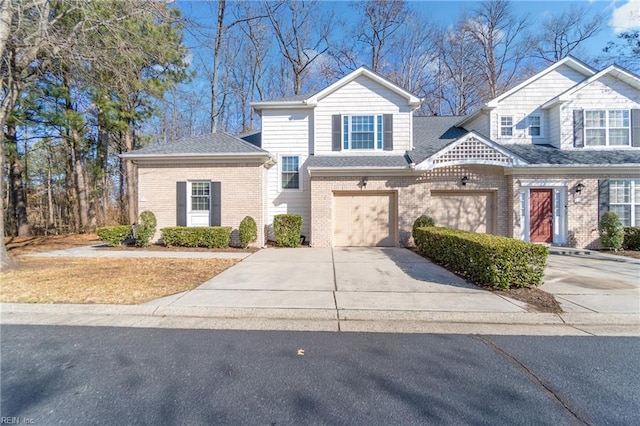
(336, 132)
(578, 128)
(603, 198)
(215, 209)
(387, 127)
(181, 203)
(635, 127)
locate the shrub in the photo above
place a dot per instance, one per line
(488, 260)
(248, 231)
(422, 222)
(210, 236)
(611, 231)
(145, 229)
(631, 238)
(287, 229)
(114, 235)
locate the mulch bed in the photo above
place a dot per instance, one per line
(540, 301)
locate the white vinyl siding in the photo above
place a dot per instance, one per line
(606, 93)
(363, 97)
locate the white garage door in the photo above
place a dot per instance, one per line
(364, 220)
(469, 211)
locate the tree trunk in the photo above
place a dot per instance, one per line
(130, 170)
(19, 202)
(214, 73)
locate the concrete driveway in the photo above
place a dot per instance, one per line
(592, 282)
(343, 279)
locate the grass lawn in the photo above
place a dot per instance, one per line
(97, 280)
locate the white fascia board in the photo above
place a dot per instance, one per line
(411, 99)
(197, 157)
(357, 171)
(259, 106)
(428, 163)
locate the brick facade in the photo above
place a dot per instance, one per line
(242, 186)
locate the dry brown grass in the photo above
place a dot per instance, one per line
(17, 246)
(104, 280)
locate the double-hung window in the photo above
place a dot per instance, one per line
(535, 126)
(290, 173)
(624, 200)
(506, 125)
(200, 196)
(362, 132)
(607, 127)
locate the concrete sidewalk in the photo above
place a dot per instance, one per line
(100, 250)
(363, 289)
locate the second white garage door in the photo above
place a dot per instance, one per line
(364, 220)
(466, 210)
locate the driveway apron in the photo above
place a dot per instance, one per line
(341, 279)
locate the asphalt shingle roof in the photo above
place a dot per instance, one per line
(350, 161)
(431, 134)
(210, 143)
(549, 155)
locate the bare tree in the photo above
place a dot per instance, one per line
(302, 34)
(499, 48)
(562, 34)
(381, 20)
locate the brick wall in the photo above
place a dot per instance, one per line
(413, 195)
(242, 186)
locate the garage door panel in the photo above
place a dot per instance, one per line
(363, 220)
(466, 211)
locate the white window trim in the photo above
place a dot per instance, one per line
(559, 209)
(632, 201)
(529, 125)
(376, 117)
(606, 128)
(280, 162)
(197, 213)
(513, 125)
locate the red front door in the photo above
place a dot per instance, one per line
(541, 215)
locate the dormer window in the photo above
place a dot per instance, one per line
(535, 126)
(362, 132)
(506, 125)
(607, 127)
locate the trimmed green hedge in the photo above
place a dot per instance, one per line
(145, 229)
(210, 236)
(488, 260)
(114, 235)
(287, 229)
(611, 231)
(421, 222)
(631, 238)
(248, 231)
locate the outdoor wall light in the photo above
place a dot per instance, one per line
(464, 180)
(579, 188)
(364, 181)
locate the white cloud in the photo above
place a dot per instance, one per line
(626, 16)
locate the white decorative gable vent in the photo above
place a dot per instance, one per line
(471, 149)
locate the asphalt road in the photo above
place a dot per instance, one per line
(99, 375)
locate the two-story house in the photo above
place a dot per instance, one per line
(541, 163)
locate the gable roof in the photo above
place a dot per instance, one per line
(431, 134)
(310, 100)
(569, 61)
(218, 144)
(614, 70)
(547, 155)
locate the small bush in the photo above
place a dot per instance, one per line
(287, 229)
(114, 235)
(145, 229)
(422, 222)
(248, 231)
(611, 231)
(488, 260)
(210, 236)
(631, 238)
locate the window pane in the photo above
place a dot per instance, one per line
(619, 118)
(534, 120)
(619, 191)
(636, 195)
(290, 181)
(362, 132)
(624, 213)
(345, 131)
(379, 132)
(595, 118)
(595, 137)
(618, 137)
(200, 196)
(534, 131)
(506, 121)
